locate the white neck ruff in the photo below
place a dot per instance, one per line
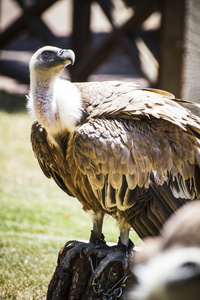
(57, 107)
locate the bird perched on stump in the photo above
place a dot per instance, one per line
(168, 268)
(121, 150)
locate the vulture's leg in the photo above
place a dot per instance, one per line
(116, 253)
(97, 247)
(96, 241)
(124, 235)
(97, 236)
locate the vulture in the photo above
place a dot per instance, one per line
(168, 268)
(121, 150)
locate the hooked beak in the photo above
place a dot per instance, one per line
(67, 55)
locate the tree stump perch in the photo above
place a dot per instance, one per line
(74, 283)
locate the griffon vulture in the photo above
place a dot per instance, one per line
(168, 268)
(121, 150)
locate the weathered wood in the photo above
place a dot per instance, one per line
(74, 283)
(30, 13)
(80, 39)
(172, 46)
(95, 57)
(191, 87)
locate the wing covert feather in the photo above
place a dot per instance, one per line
(127, 100)
(46, 156)
(134, 149)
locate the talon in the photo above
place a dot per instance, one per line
(110, 254)
(91, 264)
(80, 248)
(114, 255)
(82, 251)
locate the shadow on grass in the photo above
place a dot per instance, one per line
(12, 103)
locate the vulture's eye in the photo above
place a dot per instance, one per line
(47, 55)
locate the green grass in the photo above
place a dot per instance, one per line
(36, 217)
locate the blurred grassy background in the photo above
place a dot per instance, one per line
(36, 217)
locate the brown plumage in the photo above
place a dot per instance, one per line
(129, 152)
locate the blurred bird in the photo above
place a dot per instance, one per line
(121, 150)
(168, 268)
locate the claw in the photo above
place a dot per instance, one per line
(91, 263)
(78, 248)
(113, 255)
(82, 248)
(100, 251)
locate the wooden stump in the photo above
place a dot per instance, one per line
(74, 282)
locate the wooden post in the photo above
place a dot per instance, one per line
(172, 46)
(74, 282)
(191, 88)
(22, 23)
(80, 40)
(97, 56)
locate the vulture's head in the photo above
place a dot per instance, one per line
(54, 102)
(50, 61)
(169, 266)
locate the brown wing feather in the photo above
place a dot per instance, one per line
(142, 168)
(135, 149)
(126, 100)
(45, 155)
(56, 161)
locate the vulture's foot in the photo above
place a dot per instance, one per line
(99, 254)
(81, 248)
(110, 254)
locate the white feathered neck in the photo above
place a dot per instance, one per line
(55, 103)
